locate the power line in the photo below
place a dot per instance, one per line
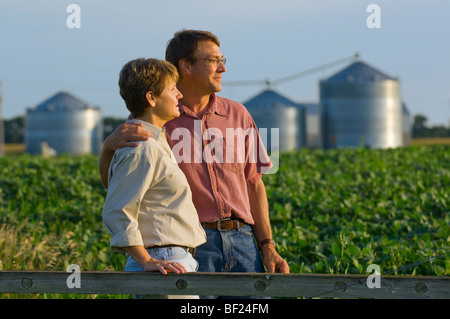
(294, 76)
(315, 69)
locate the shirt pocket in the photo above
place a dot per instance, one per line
(233, 160)
(236, 168)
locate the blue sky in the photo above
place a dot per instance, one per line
(261, 39)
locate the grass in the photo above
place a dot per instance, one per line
(431, 141)
(331, 211)
(14, 149)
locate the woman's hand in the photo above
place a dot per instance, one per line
(143, 258)
(164, 266)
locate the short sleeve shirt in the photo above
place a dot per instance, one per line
(149, 201)
(221, 154)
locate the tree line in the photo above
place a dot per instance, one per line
(15, 128)
(421, 129)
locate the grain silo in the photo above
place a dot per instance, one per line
(64, 124)
(313, 125)
(361, 106)
(270, 111)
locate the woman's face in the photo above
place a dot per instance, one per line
(166, 107)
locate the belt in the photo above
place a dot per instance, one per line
(224, 224)
(188, 249)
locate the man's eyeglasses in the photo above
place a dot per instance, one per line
(215, 61)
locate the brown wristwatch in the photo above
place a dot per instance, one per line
(265, 242)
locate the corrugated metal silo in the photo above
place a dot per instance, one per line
(66, 124)
(361, 106)
(313, 125)
(270, 110)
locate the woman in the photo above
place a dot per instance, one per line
(148, 210)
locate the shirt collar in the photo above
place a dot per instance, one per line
(214, 107)
(156, 131)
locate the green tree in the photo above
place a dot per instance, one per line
(110, 123)
(420, 128)
(15, 130)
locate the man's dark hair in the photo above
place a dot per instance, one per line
(184, 44)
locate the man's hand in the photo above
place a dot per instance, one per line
(273, 261)
(125, 135)
(260, 211)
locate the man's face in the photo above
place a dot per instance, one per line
(207, 71)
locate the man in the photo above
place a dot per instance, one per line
(229, 194)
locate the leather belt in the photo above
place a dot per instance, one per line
(224, 224)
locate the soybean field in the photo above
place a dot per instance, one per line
(333, 211)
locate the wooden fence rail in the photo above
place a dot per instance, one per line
(228, 284)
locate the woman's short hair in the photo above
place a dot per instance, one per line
(140, 76)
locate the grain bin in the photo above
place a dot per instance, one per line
(361, 106)
(271, 110)
(313, 125)
(65, 124)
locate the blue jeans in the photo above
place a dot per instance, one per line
(176, 254)
(229, 251)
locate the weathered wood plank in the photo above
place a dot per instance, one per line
(227, 284)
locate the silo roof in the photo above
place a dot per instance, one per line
(268, 99)
(62, 101)
(359, 72)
